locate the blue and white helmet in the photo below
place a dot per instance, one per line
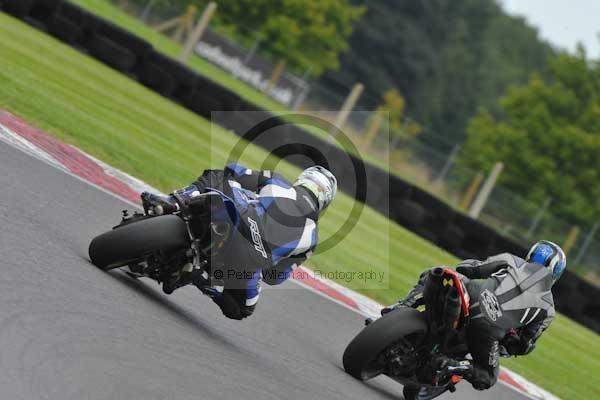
(319, 181)
(550, 255)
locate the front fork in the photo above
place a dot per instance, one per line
(178, 275)
(199, 251)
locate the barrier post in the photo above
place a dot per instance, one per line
(448, 164)
(538, 218)
(467, 198)
(196, 34)
(486, 190)
(349, 103)
(181, 24)
(277, 71)
(586, 243)
(571, 239)
(373, 130)
(146, 11)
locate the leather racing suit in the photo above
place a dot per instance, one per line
(274, 231)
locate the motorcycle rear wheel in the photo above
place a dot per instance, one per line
(125, 244)
(362, 356)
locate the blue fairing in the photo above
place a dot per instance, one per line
(230, 213)
(283, 251)
(266, 201)
(237, 169)
(253, 285)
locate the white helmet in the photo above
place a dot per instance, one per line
(319, 181)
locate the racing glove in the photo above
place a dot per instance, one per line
(231, 303)
(155, 204)
(516, 346)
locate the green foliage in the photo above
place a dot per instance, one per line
(447, 57)
(548, 138)
(308, 34)
(399, 125)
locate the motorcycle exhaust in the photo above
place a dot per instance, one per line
(436, 274)
(433, 294)
(433, 283)
(452, 308)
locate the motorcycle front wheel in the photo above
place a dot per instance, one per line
(363, 356)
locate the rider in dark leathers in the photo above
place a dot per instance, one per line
(263, 227)
(511, 306)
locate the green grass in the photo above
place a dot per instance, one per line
(167, 46)
(566, 360)
(85, 103)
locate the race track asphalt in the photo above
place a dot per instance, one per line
(71, 331)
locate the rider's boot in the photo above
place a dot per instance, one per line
(156, 204)
(413, 299)
(211, 287)
(410, 392)
(413, 392)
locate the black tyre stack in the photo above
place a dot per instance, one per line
(17, 8)
(67, 24)
(168, 77)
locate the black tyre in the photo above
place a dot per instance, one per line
(203, 103)
(185, 80)
(412, 392)
(362, 356)
(64, 29)
(111, 53)
(158, 79)
(453, 237)
(17, 8)
(45, 10)
(409, 213)
(130, 242)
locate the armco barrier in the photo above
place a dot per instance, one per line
(410, 206)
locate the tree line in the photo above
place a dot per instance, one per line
(446, 57)
(464, 70)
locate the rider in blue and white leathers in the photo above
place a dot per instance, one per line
(271, 228)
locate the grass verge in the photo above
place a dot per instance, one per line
(168, 46)
(89, 105)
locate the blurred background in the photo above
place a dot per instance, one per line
(466, 84)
